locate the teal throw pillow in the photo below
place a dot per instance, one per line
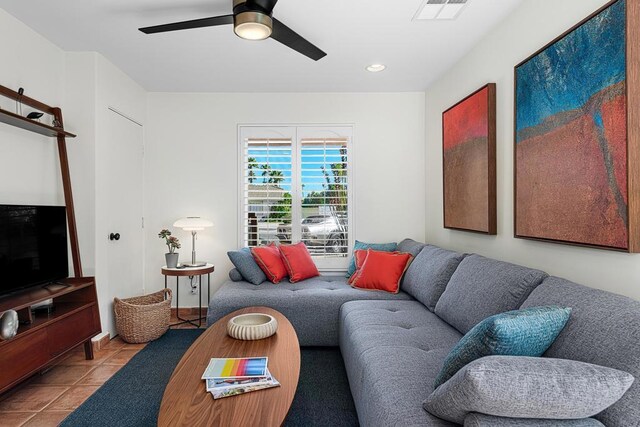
(528, 332)
(384, 247)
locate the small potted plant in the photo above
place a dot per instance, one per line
(172, 243)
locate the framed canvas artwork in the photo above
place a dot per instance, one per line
(469, 162)
(576, 137)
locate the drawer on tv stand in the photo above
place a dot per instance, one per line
(22, 356)
(71, 331)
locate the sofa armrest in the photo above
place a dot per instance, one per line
(481, 420)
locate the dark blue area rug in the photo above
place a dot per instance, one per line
(133, 395)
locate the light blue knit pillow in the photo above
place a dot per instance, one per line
(528, 332)
(247, 266)
(384, 247)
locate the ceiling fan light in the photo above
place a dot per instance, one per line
(253, 26)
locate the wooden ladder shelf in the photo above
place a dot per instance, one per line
(61, 135)
(43, 339)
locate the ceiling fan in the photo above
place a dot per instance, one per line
(252, 20)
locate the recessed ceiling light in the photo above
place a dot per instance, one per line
(376, 68)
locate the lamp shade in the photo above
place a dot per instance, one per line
(193, 223)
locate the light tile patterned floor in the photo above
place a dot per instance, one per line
(47, 398)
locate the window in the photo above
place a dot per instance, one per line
(296, 186)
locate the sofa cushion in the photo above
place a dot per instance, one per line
(312, 306)
(368, 324)
(528, 387)
(481, 287)
(401, 340)
(410, 246)
(482, 420)
(247, 266)
(380, 271)
(359, 257)
(385, 247)
(270, 261)
(527, 332)
(428, 275)
(235, 276)
(395, 381)
(298, 262)
(604, 329)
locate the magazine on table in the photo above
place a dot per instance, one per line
(220, 384)
(236, 368)
(220, 391)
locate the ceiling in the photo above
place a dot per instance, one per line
(354, 33)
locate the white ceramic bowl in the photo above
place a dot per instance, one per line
(252, 326)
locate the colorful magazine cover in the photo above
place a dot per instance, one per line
(236, 368)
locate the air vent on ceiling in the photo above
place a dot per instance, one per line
(440, 9)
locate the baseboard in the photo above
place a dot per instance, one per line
(99, 341)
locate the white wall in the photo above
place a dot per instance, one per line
(529, 28)
(79, 112)
(30, 172)
(191, 165)
(84, 85)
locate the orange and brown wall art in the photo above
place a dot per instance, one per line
(469, 163)
(571, 172)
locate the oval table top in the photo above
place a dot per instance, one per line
(186, 401)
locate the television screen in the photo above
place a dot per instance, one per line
(33, 246)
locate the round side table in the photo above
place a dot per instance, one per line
(189, 272)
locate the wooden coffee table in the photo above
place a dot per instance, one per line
(187, 403)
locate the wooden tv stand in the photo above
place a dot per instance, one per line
(48, 337)
(44, 338)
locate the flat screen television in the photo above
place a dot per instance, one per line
(33, 246)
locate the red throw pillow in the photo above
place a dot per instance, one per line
(269, 261)
(298, 262)
(382, 271)
(359, 256)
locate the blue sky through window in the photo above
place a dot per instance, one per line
(312, 160)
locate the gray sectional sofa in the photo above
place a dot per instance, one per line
(444, 294)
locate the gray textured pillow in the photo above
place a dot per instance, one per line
(482, 420)
(482, 287)
(428, 274)
(528, 387)
(235, 275)
(604, 329)
(247, 266)
(410, 246)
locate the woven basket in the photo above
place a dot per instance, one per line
(143, 319)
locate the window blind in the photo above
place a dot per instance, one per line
(325, 196)
(267, 179)
(296, 187)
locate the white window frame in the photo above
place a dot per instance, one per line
(297, 133)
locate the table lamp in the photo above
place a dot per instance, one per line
(193, 224)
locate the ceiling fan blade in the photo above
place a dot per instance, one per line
(266, 5)
(185, 25)
(295, 41)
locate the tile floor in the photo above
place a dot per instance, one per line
(47, 398)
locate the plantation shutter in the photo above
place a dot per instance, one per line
(267, 184)
(325, 196)
(296, 187)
